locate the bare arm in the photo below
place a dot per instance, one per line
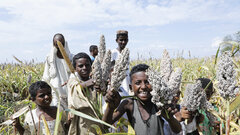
(18, 126)
(174, 123)
(113, 99)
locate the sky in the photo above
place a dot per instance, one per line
(180, 26)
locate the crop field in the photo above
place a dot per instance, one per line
(15, 78)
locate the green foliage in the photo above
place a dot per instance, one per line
(14, 83)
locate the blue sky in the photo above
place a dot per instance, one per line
(27, 26)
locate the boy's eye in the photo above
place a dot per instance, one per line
(146, 82)
(41, 95)
(138, 82)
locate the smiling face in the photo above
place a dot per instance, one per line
(141, 86)
(43, 97)
(83, 68)
(122, 42)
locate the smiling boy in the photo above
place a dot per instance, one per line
(141, 113)
(40, 93)
(80, 93)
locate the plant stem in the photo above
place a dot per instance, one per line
(228, 119)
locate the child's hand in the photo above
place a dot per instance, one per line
(169, 111)
(16, 122)
(185, 113)
(18, 126)
(113, 98)
(87, 83)
(178, 116)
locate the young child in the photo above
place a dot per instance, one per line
(93, 49)
(194, 119)
(122, 40)
(142, 112)
(208, 127)
(80, 93)
(56, 71)
(40, 93)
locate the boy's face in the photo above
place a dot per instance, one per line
(209, 93)
(141, 86)
(43, 97)
(83, 67)
(95, 51)
(122, 42)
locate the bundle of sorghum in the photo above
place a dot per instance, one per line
(195, 97)
(166, 83)
(226, 77)
(161, 94)
(170, 77)
(97, 71)
(119, 71)
(101, 65)
(166, 66)
(106, 65)
(102, 48)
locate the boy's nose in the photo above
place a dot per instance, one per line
(143, 86)
(46, 96)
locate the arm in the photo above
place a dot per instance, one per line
(76, 98)
(113, 99)
(174, 123)
(18, 126)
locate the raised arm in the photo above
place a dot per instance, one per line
(174, 123)
(113, 100)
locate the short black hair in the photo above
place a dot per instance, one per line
(92, 47)
(138, 68)
(37, 86)
(78, 56)
(205, 82)
(121, 34)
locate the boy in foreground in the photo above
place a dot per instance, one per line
(80, 90)
(40, 93)
(141, 112)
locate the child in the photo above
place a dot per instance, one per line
(206, 127)
(142, 112)
(196, 118)
(40, 93)
(93, 49)
(78, 96)
(56, 71)
(122, 40)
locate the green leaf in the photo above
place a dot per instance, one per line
(80, 114)
(97, 128)
(45, 125)
(58, 120)
(235, 104)
(216, 56)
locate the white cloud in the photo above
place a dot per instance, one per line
(216, 42)
(34, 22)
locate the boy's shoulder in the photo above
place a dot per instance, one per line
(127, 103)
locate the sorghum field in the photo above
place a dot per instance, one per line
(15, 78)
